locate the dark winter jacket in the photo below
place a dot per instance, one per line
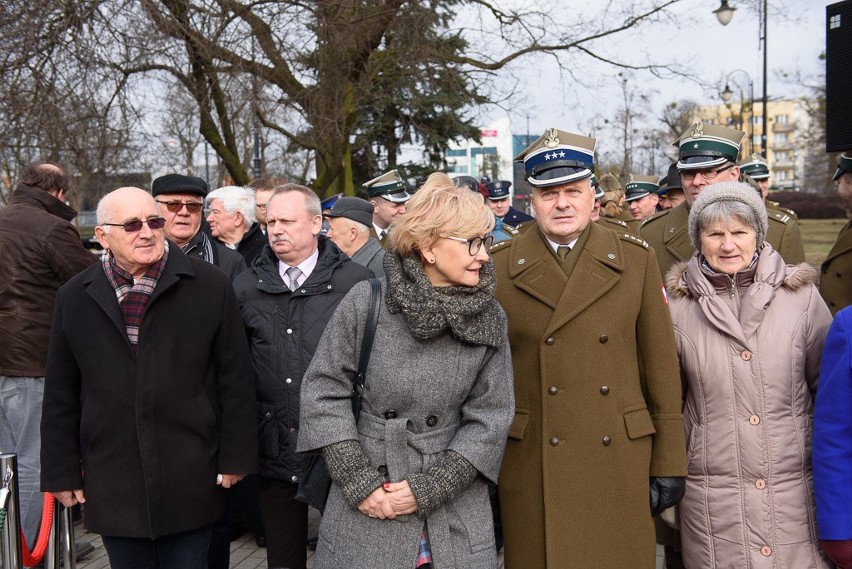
(150, 430)
(39, 251)
(284, 329)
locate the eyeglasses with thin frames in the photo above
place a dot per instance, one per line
(176, 206)
(136, 224)
(708, 175)
(474, 244)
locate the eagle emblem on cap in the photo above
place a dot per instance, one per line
(551, 140)
(698, 129)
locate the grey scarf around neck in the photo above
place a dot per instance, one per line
(470, 314)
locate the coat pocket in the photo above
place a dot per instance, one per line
(638, 422)
(269, 439)
(519, 424)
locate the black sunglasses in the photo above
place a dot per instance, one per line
(174, 207)
(136, 224)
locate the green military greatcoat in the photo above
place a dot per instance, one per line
(592, 423)
(835, 285)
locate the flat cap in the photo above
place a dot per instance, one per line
(353, 208)
(179, 184)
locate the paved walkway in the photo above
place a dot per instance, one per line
(245, 554)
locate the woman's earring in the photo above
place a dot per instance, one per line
(431, 261)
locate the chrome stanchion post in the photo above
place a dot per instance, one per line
(10, 539)
(69, 547)
(52, 557)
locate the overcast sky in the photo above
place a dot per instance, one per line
(796, 38)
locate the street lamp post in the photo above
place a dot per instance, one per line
(726, 97)
(724, 14)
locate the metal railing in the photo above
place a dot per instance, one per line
(60, 548)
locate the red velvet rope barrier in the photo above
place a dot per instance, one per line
(34, 558)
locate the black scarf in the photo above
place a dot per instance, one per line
(470, 314)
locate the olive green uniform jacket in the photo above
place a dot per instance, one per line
(836, 282)
(616, 225)
(591, 424)
(627, 217)
(667, 233)
(385, 242)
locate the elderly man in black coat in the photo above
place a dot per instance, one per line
(149, 402)
(286, 299)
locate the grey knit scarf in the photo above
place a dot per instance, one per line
(470, 314)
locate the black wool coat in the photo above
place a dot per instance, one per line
(284, 329)
(145, 435)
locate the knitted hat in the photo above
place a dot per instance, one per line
(728, 192)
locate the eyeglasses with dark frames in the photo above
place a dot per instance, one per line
(474, 244)
(708, 175)
(176, 206)
(136, 224)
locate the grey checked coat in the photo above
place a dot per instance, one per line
(421, 398)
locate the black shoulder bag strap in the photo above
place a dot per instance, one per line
(366, 345)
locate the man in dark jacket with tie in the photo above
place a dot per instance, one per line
(286, 299)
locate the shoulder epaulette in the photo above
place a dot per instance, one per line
(511, 229)
(657, 215)
(633, 239)
(500, 246)
(616, 221)
(780, 216)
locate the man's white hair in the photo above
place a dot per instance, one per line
(235, 198)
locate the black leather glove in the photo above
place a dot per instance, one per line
(665, 493)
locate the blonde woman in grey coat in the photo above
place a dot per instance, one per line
(410, 478)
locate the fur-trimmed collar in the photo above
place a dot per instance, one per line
(795, 277)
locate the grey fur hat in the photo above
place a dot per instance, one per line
(724, 192)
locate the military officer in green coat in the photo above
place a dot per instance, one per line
(783, 231)
(388, 195)
(707, 155)
(584, 446)
(836, 281)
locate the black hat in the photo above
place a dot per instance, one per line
(498, 190)
(469, 183)
(179, 184)
(671, 181)
(352, 208)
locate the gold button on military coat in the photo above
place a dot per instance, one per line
(598, 401)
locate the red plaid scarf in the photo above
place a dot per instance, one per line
(133, 297)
